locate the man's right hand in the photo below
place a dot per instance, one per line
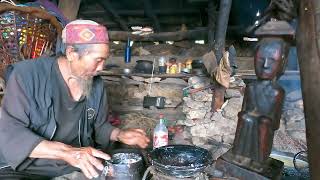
(87, 158)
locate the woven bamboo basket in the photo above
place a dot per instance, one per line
(26, 33)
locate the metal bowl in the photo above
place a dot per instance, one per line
(127, 71)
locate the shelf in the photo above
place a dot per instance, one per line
(110, 73)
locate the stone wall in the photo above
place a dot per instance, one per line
(200, 126)
(211, 130)
(291, 136)
(126, 95)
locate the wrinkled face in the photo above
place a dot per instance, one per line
(268, 60)
(91, 61)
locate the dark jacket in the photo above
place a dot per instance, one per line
(39, 118)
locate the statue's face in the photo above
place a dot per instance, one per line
(268, 60)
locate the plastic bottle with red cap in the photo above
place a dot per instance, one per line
(160, 134)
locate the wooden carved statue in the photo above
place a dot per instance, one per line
(261, 109)
(262, 104)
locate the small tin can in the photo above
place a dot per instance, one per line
(162, 61)
(162, 65)
(173, 69)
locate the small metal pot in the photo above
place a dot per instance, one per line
(124, 166)
(127, 71)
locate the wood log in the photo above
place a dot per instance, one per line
(197, 34)
(70, 8)
(309, 61)
(211, 23)
(221, 28)
(218, 97)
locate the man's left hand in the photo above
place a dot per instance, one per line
(133, 137)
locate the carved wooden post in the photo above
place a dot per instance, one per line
(308, 44)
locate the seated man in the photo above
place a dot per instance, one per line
(54, 110)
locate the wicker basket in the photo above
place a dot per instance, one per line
(26, 33)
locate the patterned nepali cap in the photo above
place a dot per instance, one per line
(85, 32)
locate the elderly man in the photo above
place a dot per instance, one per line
(55, 109)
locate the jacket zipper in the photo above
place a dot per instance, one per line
(54, 131)
(79, 134)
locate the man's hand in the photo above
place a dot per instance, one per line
(84, 158)
(133, 137)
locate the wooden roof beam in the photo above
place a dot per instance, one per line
(124, 12)
(201, 33)
(152, 15)
(106, 4)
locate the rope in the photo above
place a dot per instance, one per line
(149, 92)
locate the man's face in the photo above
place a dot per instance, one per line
(92, 61)
(87, 65)
(268, 61)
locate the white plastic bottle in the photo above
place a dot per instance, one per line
(160, 134)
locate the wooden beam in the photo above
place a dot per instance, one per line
(110, 24)
(211, 23)
(146, 21)
(142, 13)
(106, 4)
(221, 28)
(163, 36)
(152, 15)
(309, 62)
(69, 8)
(201, 33)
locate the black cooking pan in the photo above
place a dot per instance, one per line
(180, 160)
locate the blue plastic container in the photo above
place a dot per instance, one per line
(127, 54)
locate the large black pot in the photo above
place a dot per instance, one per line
(143, 66)
(180, 160)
